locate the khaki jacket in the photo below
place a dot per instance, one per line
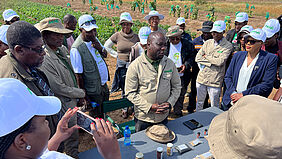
(60, 78)
(145, 86)
(214, 59)
(10, 68)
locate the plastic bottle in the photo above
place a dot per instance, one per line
(127, 133)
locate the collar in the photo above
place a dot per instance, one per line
(150, 60)
(18, 67)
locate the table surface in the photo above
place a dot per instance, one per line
(141, 143)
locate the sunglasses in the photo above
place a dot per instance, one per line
(252, 42)
(89, 22)
(39, 51)
(174, 38)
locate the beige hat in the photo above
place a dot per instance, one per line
(251, 128)
(174, 31)
(160, 133)
(52, 24)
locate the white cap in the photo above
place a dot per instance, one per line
(87, 18)
(271, 27)
(125, 16)
(153, 14)
(144, 32)
(218, 26)
(257, 34)
(180, 21)
(9, 14)
(247, 29)
(3, 32)
(18, 104)
(241, 17)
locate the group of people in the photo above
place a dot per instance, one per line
(153, 70)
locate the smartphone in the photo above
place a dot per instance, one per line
(84, 121)
(192, 124)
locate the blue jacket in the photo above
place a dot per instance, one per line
(262, 78)
(198, 42)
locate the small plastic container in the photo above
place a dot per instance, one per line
(139, 155)
(169, 150)
(160, 153)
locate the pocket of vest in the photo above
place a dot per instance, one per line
(89, 66)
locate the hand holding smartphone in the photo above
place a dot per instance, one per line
(84, 121)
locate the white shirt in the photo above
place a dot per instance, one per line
(77, 63)
(175, 55)
(140, 48)
(54, 155)
(245, 74)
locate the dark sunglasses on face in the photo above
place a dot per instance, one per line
(39, 51)
(89, 22)
(174, 38)
(252, 42)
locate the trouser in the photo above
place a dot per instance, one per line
(214, 94)
(177, 109)
(104, 96)
(193, 94)
(142, 125)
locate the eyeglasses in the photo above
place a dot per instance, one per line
(89, 22)
(252, 42)
(174, 38)
(39, 51)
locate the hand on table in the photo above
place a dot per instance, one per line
(105, 139)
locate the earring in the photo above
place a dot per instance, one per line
(28, 147)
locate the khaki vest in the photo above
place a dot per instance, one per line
(91, 75)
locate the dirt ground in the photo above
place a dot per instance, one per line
(163, 8)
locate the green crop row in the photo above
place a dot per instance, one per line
(33, 12)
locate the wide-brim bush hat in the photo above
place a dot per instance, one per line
(160, 133)
(18, 104)
(249, 129)
(154, 14)
(125, 17)
(52, 24)
(174, 31)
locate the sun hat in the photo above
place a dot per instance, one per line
(143, 34)
(52, 24)
(257, 34)
(87, 22)
(206, 26)
(9, 14)
(153, 14)
(18, 104)
(174, 31)
(160, 133)
(180, 21)
(249, 129)
(246, 29)
(218, 26)
(271, 27)
(241, 17)
(3, 32)
(125, 17)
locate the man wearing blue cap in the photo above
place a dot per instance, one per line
(91, 70)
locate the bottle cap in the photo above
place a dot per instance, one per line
(139, 155)
(160, 149)
(169, 145)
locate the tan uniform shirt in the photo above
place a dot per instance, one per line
(60, 78)
(214, 59)
(145, 86)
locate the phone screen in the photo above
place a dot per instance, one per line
(192, 124)
(84, 121)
